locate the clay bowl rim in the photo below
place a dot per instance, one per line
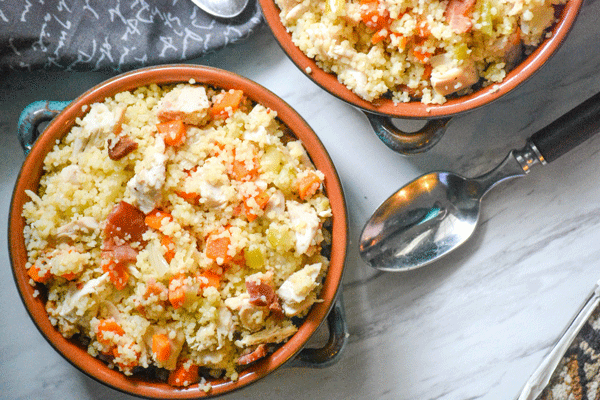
(415, 109)
(29, 177)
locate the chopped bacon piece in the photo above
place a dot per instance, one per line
(262, 294)
(257, 354)
(126, 222)
(458, 15)
(120, 253)
(123, 146)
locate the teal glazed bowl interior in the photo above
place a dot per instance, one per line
(293, 349)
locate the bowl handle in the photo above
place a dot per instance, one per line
(408, 143)
(33, 116)
(331, 352)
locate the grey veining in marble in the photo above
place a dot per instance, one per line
(473, 325)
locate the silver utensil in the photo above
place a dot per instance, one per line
(542, 375)
(437, 212)
(222, 8)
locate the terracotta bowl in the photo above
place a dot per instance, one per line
(31, 172)
(381, 112)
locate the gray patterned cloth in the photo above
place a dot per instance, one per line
(113, 35)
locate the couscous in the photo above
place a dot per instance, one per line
(179, 229)
(417, 49)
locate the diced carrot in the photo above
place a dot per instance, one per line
(261, 200)
(237, 210)
(69, 276)
(108, 325)
(155, 217)
(34, 273)
(241, 171)
(173, 132)
(226, 104)
(217, 248)
(191, 197)
(161, 347)
(379, 36)
(423, 29)
(400, 39)
(374, 16)
(308, 185)
(131, 364)
(177, 290)
(422, 56)
(220, 147)
(117, 272)
(427, 71)
(184, 375)
(154, 288)
(191, 170)
(213, 279)
(167, 243)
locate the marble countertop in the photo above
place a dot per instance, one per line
(473, 325)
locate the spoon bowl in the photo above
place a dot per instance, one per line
(222, 8)
(437, 212)
(443, 213)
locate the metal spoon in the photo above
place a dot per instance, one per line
(436, 213)
(222, 8)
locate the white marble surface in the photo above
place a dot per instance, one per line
(472, 326)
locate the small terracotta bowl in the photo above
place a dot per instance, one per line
(329, 309)
(381, 112)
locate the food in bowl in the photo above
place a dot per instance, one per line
(179, 229)
(409, 50)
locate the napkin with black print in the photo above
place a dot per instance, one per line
(113, 35)
(577, 376)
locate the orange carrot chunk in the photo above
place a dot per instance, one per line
(261, 200)
(167, 243)
(373, 16)
(131, 364)
(108, 325)
(308, 185)
(217, 248)
(241, 170)
(155, 217)
(379, 36)
(226, 104)
(190, 197)
(184, 376)
(69, 276)
(161, 347)
(212, 279)
(117, 273)
(154, 288)
(177, 291)
(173, 132)
(427, 71)
(422, 56)
(34, 273)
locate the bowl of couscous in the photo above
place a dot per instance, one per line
(419, 60)
(178, 232)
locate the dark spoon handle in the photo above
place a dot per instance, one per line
(570, 130)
